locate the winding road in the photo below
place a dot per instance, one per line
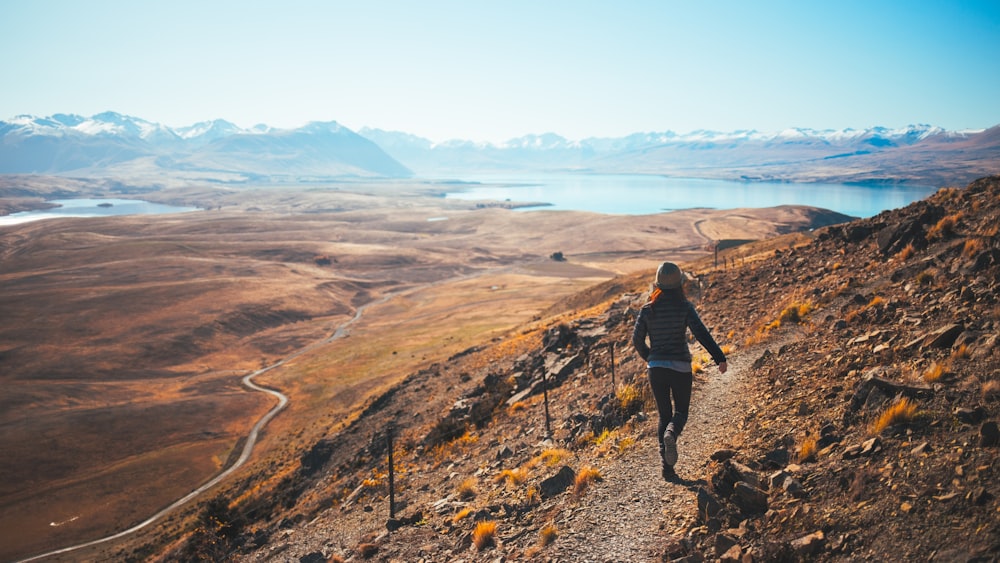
(251, 440)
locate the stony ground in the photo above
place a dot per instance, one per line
(858, 422)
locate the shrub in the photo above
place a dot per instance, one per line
(934, 373)
(945, 227)
(972, 247)
(513, 476)
(584, 478)
(961, 353)
(462, 514)
(467, 489)
(906, 253)
(550, 457)
(628, 396)
(900, 412)
(808, 449)
(547, 535)
(484, 534)
(532, 495)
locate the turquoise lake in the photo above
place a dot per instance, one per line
(644, 194)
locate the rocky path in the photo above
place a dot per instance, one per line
(633, 513)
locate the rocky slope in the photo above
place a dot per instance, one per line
(859, 421)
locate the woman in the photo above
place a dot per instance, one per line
(665, 320)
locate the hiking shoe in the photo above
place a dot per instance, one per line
(669, 448)
(669, 475)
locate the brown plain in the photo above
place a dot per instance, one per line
(124, 339)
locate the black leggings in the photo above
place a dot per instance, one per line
(666, 382)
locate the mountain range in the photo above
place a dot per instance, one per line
(110, 143)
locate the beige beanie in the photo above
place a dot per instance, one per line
(668, 276)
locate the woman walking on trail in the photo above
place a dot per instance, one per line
(665, 320)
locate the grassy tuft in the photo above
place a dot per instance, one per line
(900, 412)
(973, 246)
(908, 251)
(961, 353)
(513, 476)
(934, 372)
(484, 535)
(808, 449)
(467, 489)
(462, 515)
(945, 227)
(547, 535)
(925, 278)
(584, 478)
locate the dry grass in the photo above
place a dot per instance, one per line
(467, 489)
(584, 478)
(547, 535)
(973, 246)
(945, 227)
(517, 407)
(925, 278)
(808, 449)
(793, 313)
(461, 515)
(628, 396)
(906, 253)
(961, 353)
(935, 372)
(513, 477)
(900, 412)
(484, 535)
(550, 457)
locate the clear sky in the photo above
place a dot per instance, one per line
(491, 70)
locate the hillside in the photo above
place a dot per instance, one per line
(859, 421)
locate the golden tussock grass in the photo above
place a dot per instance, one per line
(934, 372)
(973, 246)
(628, 395)
(513, 477)
(925, 278)
(461, 515)
(899, 412)
(547, 535)
(961, 353)
(945, 227)
(517, 407)
(532, 495)
(794, 313)
(467, 489)
(550, 457)
(484, 535)
(808, 450)
(584, 478)
(906, 253)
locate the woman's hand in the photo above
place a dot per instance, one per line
(723, 367)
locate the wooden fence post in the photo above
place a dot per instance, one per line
(392, 483)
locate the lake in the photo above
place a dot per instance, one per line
(93, 208)
(642, 194)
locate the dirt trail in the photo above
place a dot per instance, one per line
(633, 512)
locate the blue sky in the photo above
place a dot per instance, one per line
(492, 70)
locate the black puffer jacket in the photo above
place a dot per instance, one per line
(666, 322)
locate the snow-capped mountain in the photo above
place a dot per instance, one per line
(71, 143)
(110, 142)
(796, 153)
